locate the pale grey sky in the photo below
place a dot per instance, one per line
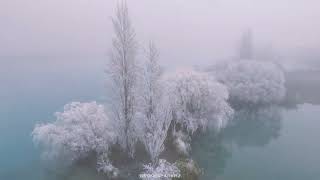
(188, 31)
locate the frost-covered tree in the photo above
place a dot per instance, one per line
(198, 101)
(162, 171)
(252, 82)
(123, 73)
(155, 112)
(80, 130)
(151, 86)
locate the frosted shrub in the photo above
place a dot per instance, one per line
(252, 82)
(163, 170)
(182, 142)
(104, 165)
(81, 129)
(198, 101)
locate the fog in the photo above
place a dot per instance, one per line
(53, 52)
(186, 32)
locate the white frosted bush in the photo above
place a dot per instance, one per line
(252, 82)
(104, 165)
(181, 142)
(163, 170)
(81, 129)
(198, 101)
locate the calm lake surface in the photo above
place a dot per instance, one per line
(270, 143)
(273, 143)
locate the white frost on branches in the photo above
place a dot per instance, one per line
(198, 101)
(81, 129)
(155, 114)
(123, 74)
(104, 165)
(252, 82)
(163, 170)
(182, 142)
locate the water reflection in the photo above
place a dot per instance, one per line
(59, 170)
(250, 127)
(254, 127)
(211, 155)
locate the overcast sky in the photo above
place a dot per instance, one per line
(189, 31)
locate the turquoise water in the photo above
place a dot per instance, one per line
(31, 91)
(275, 144)
(271, 144)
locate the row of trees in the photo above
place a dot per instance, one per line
(150, 107)
(146, 106)
(146, 103)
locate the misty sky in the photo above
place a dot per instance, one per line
(188, 31)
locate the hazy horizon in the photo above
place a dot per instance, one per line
(186, 32)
